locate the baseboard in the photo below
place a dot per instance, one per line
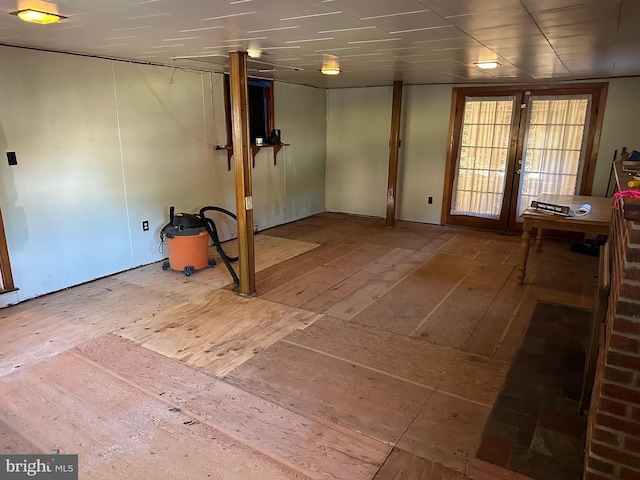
(8, 298)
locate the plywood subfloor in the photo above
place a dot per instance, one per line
(351, 373)
(367, 352)
(317, 449)
(45, 326)
(402, 465)
(339, 391)
(122, 430)
(12, 442)
(269, 251)
(446, 431)
(219, 333)
(398, 356)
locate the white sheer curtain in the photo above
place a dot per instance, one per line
(555, 142)
(478, 188)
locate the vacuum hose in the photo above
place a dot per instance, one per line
(213, 233)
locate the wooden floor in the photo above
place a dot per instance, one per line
(368, 352)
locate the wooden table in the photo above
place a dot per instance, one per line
(596, 221)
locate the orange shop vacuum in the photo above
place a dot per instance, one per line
(188, 243)
(187, 238)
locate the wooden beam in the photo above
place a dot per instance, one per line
(242, 170)
(394, 153)
(6, 277)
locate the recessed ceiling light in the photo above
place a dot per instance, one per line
(37, 16)
(487, 65)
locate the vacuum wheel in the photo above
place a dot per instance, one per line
(212, 262)
(188, 270)
(165, 265)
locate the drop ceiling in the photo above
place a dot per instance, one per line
(375, 41)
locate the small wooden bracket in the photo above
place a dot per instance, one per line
(254, 151)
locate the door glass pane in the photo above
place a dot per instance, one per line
(554, 146)
(478, 188)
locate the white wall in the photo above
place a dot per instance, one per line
(358, 132)
(293, 188)
(621, 128)
(64, 205)
(424, 146)
(358, 126)
(301, 114)
(359, 123)
(104, 145)
(166, 159)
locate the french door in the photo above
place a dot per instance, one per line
(511, 144)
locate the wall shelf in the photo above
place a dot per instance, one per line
(254, 151)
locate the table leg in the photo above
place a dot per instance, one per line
(524, 249)
(539, 239)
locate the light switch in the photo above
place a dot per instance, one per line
(11, 157)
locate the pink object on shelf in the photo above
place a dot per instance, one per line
(624, 193)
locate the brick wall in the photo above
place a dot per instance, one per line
(613, 434)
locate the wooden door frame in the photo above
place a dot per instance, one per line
(5, 266)
(457, 104)
(598, 90)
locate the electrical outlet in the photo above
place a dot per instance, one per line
(145, 225)
(430, 201)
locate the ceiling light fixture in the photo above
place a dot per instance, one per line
(37, 16)
(487, 65)
(254, 52)
(330, 70)
(330, 65)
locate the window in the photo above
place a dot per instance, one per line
(260, 109)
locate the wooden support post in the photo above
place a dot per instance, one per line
(6, 278)
(394, 153)
(242, 170)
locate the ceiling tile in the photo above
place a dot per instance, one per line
(446, 8)
(581, 14)
(536, 6)
(371, 8)
(492, 19)
(506, 33)
(588, 36)
(121, 9)
(421, 20)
